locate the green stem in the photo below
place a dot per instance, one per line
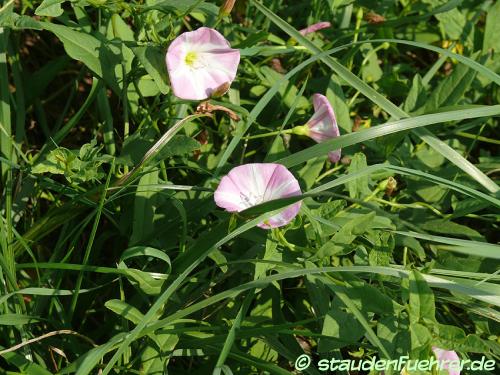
(270, 134)
(478, 138)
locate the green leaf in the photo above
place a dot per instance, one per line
(450, 90)
(358, 188)
(420, 336)
(288, 91)
(145, 251)
(337, 98)
(50, 8)
(24, 365)
(153, 60)
(9, 319)
(124, 310)
(179, 145)
(421, 303)
(381, 252)
(416, 96)
(370, 71)
(475, 248)
(145, 203)
(492, 30)
(184, 7)
(454, 24)
(339, 244)
(59, 161)
(341, 326)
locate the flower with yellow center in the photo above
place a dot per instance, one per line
(200, 62)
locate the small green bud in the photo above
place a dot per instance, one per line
(301, 130)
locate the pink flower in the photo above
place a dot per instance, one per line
(251, 184)
(199, 62)
(447, 355)
(315, 27)
(322, 126)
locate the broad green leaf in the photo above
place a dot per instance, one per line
(288, 91)
(153, 60)
(341, 241)
(50, 8)
(337, 98)
(341, 326)
(420, 336)
(421, 303)
(358, 188)
(370, 71)
(450, 90)
(416, 96)
(97, 55)
(125, 310)
(179, 145)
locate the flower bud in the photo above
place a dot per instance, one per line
(226, 8)
(301, 130)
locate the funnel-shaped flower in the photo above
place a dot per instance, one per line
(443, 355)
(322, 126)
(200, 62)
(251, 184)
(315, 27)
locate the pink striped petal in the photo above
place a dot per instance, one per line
(315, 27)
(200, 61)
(323, 124)
(446, 355)
(251, 184)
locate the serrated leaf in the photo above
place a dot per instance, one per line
(58, 161)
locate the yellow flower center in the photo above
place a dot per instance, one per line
(190, 59)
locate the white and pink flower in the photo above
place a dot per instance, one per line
(248, 185)
(322, 126)
(200, 62)
(443, 355)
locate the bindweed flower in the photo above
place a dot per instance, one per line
(315, 27)
(200, 63)
(322, 126)
(248, 185)
(447, 355)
